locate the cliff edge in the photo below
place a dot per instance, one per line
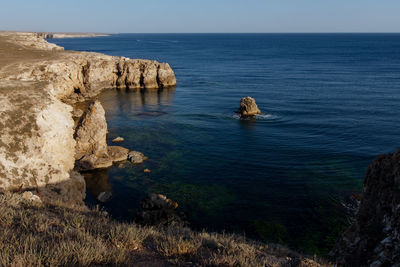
(39, 85)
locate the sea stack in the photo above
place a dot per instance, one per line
(248, 107)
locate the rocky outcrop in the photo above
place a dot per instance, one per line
(374, 237)
(92, 151)
(248, 107)
(159, 210)
(78, 77)
(90, 135)
(136, 157)
(118, 153)
(134, 74)
(38, 82)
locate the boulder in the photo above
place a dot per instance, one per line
(118, 153)
(157, 202)
(104, 196)
(136, 157)
(248, 107)
(158, 210)
(118, 140)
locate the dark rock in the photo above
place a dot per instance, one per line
(136, 157)
(104, 196)
(158, 210)
(373, 239)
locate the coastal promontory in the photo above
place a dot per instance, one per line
(40, 86)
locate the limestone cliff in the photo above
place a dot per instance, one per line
(38, 82)
(374, 238)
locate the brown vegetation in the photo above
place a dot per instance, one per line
(35, 234)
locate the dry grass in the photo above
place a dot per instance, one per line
(55, 235)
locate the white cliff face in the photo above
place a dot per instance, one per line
(55, 129)
(35, 142)
(37, 145)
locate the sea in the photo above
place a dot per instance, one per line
(330, 105)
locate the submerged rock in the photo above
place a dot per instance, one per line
(118, 153)
(136, 157)
(373, 239)
(248, 107)
(104, 196)
(158, 210)
(118, 140)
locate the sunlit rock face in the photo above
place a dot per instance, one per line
(248, 107)
(38, 82)
(374, 238)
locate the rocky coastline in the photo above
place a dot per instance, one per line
(53, 127)
(59, 35)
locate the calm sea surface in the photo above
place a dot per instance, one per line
(330, 104)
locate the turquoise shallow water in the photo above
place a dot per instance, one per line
(330, 104)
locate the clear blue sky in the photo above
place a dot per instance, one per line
(201, 15)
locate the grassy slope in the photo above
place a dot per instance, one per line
(53, 235)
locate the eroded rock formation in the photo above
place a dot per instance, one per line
(248, 107)
(90, 135)
(374, 238)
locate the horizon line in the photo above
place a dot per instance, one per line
(283, 32)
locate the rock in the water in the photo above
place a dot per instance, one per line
(104, 196)
(158, 201)
(158, 210)
(248, 107)
(90, 135)
(136, 157)
(374, 237)
(147, 170)
(118, 153)
(118, 140)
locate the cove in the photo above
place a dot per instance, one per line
(329, 104)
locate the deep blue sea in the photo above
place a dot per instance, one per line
(330, 105)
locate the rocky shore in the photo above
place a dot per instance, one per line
(52, 128)
(51, 125)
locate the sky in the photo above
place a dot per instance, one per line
(201, 16)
